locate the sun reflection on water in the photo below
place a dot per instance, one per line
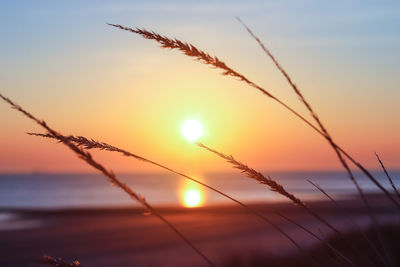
(191, 194)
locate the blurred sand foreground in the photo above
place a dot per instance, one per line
(126, 237)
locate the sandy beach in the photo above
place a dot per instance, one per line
(127, 237)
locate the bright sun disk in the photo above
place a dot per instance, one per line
(192, 130)
(192, 198)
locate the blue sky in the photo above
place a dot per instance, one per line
(61, 56)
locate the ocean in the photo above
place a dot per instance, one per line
(64, 191)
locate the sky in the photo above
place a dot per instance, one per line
(60, 61)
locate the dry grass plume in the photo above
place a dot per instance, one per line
(269, 182)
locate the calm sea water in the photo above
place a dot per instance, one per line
(44, 191)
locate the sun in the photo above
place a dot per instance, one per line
(192, 198)
(192, 130)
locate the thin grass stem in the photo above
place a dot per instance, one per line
(351, 222)
(315, 116)
(322, 191)
(387, 175)
(337, 252)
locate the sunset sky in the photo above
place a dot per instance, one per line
(60, 61)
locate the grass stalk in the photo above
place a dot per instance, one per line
(87, 157)
(326, 134)
(87, 143)
(387, 175)
(323, 191)
(309, 108)
(326, 243)
(382, 259)
(276, 187)
(269, 182)
(203, 57)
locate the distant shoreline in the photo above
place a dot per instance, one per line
(348, 202)
(50, 192)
